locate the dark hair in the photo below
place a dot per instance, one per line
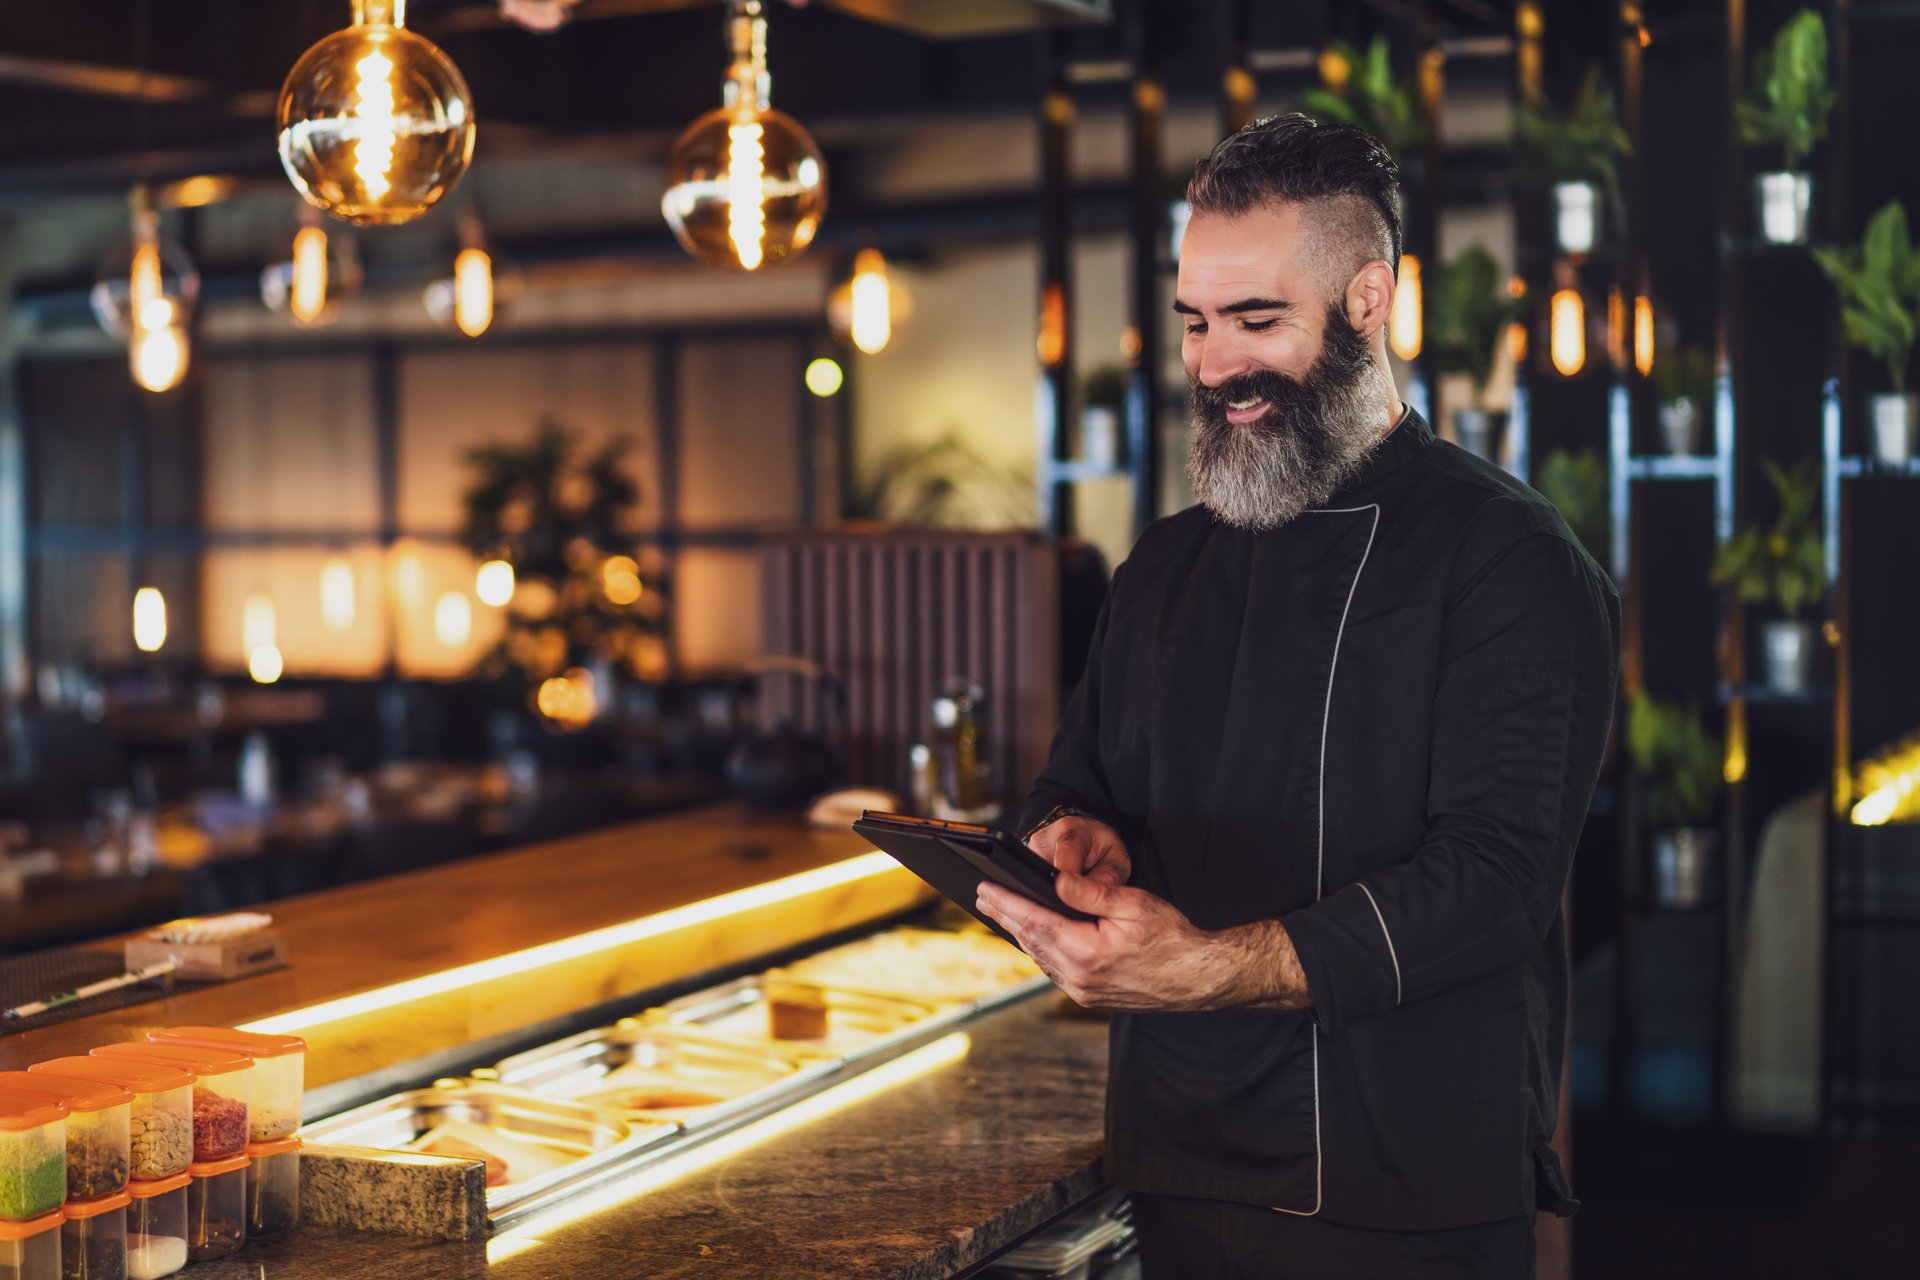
(1292, 159)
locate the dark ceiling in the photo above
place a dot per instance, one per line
(77, 114)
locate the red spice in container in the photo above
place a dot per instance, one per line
(219, 1124)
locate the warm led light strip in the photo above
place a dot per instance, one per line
(864, 867)
(532, 1233)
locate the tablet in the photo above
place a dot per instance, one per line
(954, 857)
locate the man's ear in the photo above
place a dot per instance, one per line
(1370, 298)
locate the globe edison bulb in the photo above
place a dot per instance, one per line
(376, 124)
(746, 185)
(144, 295)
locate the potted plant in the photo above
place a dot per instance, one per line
(1576, 484)
(1681, 763)
(1788, 109)
(1103, 395)
(1468, 310)
(1683, 380)
(1783, 567)
(1878, 281)
(1577, 153)
(1361, 90)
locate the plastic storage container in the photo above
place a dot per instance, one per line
(30, 1250)
(273, 1187)
(93, 1240)
(279, 1074)
(160, 1122)
(157, 1227)
(222, 1088)
(96, 1128)
(33, 1156)
(216, 1207)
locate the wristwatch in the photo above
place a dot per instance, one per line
(1054, 815)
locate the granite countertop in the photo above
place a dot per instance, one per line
(922, 1180)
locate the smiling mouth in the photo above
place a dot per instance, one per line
(1244, 405)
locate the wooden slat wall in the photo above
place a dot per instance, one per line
(893, 615)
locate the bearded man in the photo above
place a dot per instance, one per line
(1323, 778)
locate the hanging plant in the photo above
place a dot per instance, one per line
(1468, 310)
(1792, 96)
(1360, 89)
(1784, 566)
(1879, 285)
(1584, 144)
(1680, 760)
(579, 598)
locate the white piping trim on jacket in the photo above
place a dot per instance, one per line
(1391, 953)
(1320, 837)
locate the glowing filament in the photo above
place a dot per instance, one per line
(373, 148)
(149, 619)
(308, 296)
(336, 594)
(872, 302)
(1643, 335)
(473, 292)
(1403, 322)
(453, 619)
(746, 215)
(1567, 332)
(265, 665)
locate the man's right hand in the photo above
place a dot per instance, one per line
(1085, 846)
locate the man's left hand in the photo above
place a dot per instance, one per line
(1142, 953)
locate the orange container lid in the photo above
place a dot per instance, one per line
(252, 1043)
(29, 1110)
(277, 1147)
(152, 1187)
(138, 1077)
(80, 1210)
(213, 1168)
(79, 1095)
(32, 1226)
(202, 1062)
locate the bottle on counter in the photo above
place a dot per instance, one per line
(957, 735)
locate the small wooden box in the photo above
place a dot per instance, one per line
(212, 961)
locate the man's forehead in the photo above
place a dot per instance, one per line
(1259, 252)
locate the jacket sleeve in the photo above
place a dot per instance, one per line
(1074, 774)
(1524, 698)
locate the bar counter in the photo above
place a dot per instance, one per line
(923, 1167)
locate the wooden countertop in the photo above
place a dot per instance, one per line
(409, 929)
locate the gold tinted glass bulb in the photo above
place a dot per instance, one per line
(323, 272)
(746, 185)
(376, 124)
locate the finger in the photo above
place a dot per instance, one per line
(1093, 894)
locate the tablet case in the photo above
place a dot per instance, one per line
(954, 857)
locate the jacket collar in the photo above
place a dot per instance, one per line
(1409, 438)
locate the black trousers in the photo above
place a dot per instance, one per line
(1182, 1239)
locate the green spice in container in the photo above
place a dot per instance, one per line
(33, 1156)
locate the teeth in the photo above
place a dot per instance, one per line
(1242, 404)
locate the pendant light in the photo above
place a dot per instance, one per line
(376, 124)
(323, 272)
(471, 299)
(746, 185)
(866, 309)
(144, 294)
(1404, 331)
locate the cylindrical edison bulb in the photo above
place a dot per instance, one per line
(376, 124)
(746, 185)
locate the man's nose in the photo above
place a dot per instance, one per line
(1220, 360)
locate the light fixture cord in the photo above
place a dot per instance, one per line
(748, 84)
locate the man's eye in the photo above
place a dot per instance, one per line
(1259, 326)
(1196, 328)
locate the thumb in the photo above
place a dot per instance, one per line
(1084, 893)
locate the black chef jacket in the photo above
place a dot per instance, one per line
(1379, 724)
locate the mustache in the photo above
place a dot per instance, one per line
(1278, 389)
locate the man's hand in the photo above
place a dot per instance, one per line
(1085, 847)
(1142, 953)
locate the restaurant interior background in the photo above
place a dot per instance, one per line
(351, 591)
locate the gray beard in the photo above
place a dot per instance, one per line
(1263, 475)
